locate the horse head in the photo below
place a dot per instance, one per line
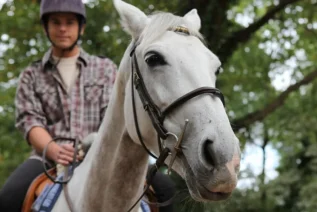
(168, 53)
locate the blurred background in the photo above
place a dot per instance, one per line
(268, 50)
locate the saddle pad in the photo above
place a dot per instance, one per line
(42, 181)
(145, 207)
(46, 201)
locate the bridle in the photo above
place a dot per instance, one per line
(158, 115)
(68, 173)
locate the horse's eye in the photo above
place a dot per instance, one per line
(154, 59)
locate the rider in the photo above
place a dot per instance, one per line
(65, 94)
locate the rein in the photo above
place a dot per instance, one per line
(64, 181)
(157, 118)
(67, 174)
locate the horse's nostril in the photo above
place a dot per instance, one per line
(209, 153)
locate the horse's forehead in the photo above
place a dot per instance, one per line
(176, 38)
(176, 41)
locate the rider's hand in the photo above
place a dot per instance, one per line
(62, 154)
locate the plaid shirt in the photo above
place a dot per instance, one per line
(42, 100)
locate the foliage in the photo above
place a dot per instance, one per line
(265, 47)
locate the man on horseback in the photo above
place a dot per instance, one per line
(65, 94)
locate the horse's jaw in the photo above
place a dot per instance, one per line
(206, 190)
(210, 157)
(206, 183)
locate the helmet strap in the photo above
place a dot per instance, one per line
(78, 37)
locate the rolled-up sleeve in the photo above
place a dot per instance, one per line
(29, 112)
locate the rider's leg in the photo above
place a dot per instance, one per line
(15, 188)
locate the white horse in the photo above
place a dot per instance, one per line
(172, 61)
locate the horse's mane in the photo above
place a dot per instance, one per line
(160, 22)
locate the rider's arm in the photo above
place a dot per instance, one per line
(31, 120)
(38, 137)
(28, 107)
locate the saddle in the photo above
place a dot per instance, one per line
(39, 183)
(36, 189)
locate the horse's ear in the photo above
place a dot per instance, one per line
(193, 19)
(133, 19)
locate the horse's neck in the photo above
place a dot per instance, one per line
(117, 165)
